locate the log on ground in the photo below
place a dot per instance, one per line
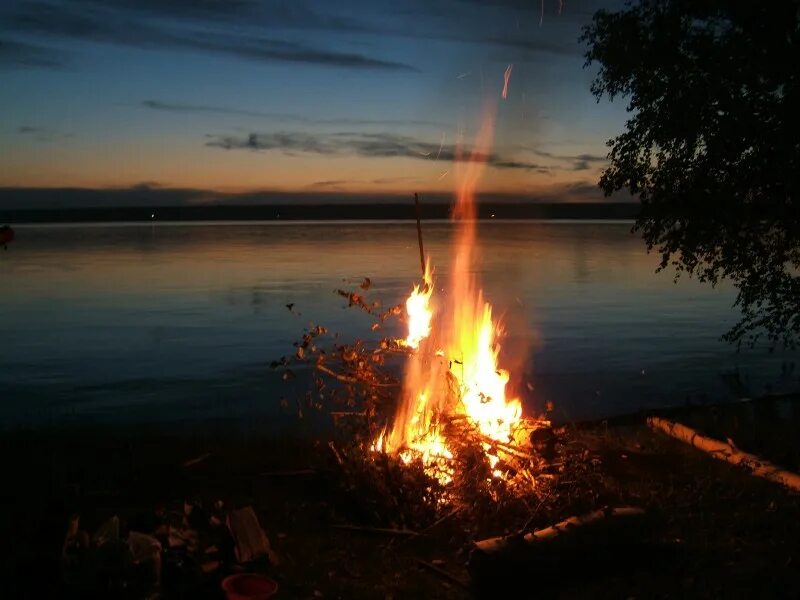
(728, 452)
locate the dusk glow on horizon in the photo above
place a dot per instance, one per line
(299, 97)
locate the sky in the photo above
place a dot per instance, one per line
(297, 98)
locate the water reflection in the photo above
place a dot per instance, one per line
(178, 321)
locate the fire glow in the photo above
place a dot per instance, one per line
(452, 372)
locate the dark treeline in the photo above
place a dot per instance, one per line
(297, 212)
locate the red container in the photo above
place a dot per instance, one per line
(249, 586)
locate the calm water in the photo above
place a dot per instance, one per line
(168, 323)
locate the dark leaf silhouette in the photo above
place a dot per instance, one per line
(711, 145)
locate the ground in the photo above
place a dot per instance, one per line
(710, 529)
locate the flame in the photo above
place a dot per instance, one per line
(419, 311)
(454, 371)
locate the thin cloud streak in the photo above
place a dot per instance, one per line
(14, 54)
(116, 27)
(41, 134)
(370, 145)
(225, 110)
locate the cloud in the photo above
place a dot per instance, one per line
(557, 47)
(371, 145)
(578, 162)
(224, 110)
(22, 54)
(390, 180)
(553, 9)
(42, 134)
(295, 15)
(181, 8)
(331, 183)
(105, 25)
(340, 183)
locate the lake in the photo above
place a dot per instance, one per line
(177, 323)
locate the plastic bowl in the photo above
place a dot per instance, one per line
(249, 586)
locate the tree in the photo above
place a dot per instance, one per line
(712, 144)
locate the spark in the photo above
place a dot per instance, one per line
(541, 12)
(463, 75)
(560, 6)
(441, 145)
(506, 78)
(443, 175)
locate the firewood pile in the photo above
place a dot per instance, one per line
(541, 471)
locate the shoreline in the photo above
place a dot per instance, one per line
(731, 527)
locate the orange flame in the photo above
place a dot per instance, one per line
(454, 370)
(419, 311)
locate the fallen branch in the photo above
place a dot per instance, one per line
(498, 544)
(727, 452)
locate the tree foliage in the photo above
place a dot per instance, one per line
(712, 144)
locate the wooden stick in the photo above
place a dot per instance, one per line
(350, 379)
(196, 461)
(419, 235)
(288, 473)
(727, 452)
(442, 572)
(442, 520)
(377, 530)
(497, 544)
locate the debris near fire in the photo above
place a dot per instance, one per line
(482, 478)
(465, 431)
(433, 421)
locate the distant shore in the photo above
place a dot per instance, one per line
(322, 212)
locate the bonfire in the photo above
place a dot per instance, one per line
(454, 410)
(453, 385)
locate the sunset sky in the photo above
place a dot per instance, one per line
(298, 97)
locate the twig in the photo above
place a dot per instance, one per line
(288, 473)
(384, 530)
(442, 572)
(419, 234)
(535, 512)
(351, 379)
(198, 460)
(505, 447)
(442, 520)
(336, 453)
